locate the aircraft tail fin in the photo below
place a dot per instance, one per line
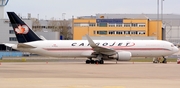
(22, 31)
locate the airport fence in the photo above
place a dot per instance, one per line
(10, 54)
(40, 59)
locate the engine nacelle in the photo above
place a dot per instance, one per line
(123, 56)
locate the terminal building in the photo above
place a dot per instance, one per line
(128, 26)
(112, 26)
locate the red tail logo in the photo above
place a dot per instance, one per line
(22, 29)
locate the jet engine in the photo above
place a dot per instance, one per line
(122, 56)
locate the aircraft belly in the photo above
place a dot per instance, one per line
(69, 54)
(65, 53)
(149, 53)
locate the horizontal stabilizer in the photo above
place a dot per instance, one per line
(42, 37)
(9, 44)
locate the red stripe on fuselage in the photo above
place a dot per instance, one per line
(79, 49)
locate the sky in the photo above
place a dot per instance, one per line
(60, 9)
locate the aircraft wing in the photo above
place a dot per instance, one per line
(99, 49)
(22, 45)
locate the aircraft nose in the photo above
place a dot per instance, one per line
(176, 49)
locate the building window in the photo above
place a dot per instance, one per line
(126, 32)
(10, 25)
(119, 25)
(12, 39)
(42, 26)
(76, 24)
(127, 25)
(112, 32)
(11, 32)
(6, 21)
(141, 32)
(141, 25)
(102, 32)
(94, 32)
(133, 32)
(134, 25)
(116, 32)
(120, 32)
(50, 27)
(112, 25)
(84, 25)
(102, 24)
(92, 24)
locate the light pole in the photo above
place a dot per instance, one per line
(162, 10)
(157, 19)
(162, 18)
(157, 33)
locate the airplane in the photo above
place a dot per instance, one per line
(96, 51)
(42, 37)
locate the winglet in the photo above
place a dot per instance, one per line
(91, 42)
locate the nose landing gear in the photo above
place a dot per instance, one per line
(158, 60)
(164, 61)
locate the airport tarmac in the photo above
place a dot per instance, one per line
(80, 75)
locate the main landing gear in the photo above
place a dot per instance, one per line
(158, 60)
(90, 61)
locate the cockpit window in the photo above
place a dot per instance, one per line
(172, 45)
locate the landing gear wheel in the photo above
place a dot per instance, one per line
(92, 61)
(88, 61)
(96, 62)
(101, 61)
(164, 61)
